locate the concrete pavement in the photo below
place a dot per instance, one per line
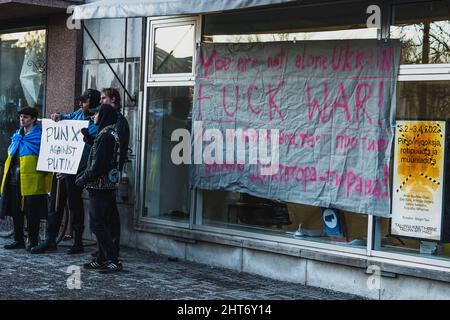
(145, 276)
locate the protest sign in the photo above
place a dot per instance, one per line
(61, 146)
(418, 179)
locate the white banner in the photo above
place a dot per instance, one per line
(61, 146)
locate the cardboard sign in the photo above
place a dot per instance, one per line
(418, 182)
(61, 146)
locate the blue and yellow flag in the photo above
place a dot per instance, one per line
(32, 182)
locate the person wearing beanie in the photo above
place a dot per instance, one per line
(101, 178)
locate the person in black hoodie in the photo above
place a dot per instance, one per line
(101, 178)
(111, 96)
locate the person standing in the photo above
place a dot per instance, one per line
(112, 97)
(88, 101)
(25, 189)
(101, 178)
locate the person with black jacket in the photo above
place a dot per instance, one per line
(100, 178)
(112, 97)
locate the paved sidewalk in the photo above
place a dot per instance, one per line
(145, 276)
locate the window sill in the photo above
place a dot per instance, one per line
(389, 267)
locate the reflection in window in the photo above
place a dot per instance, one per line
(174, 49)
(364, 33)
(423, 99)
(22, 78)
(425, 42)
(167, 192)
(241, 211)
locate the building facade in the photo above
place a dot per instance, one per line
(161, 210)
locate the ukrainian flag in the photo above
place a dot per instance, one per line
(32, 182)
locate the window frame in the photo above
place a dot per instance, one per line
(166, 80)
(409, 72)
(152, 25)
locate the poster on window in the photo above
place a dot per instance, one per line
(61, 146)
(418, 179)
(326, 108)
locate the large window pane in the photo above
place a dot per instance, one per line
(243, 212)
(22, 79)
(417, 100)
(424, 29)
(167, 191)
(425, 42)
(292, 17)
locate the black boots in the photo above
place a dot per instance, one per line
(75, 249)
(44, 247)
(15, 245)
(77, 241)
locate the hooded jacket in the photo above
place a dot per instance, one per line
(103, 156)
(123, 130)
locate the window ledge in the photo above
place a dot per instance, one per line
(351, 260)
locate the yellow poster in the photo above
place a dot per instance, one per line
(418, 176)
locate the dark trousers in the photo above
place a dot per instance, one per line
(76, 207)
(114, 223)
(102, 204)
(32, 207)
(15, 203)
(70, 193)
(55, 215)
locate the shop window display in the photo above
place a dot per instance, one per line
(166, 184)
(243, 212)
(418, 100)
(22, 73)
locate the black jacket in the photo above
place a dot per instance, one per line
(123, 130)
(103, 153)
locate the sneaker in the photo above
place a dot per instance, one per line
(110, 266)
(94, 254)
(75, 250)
(43, 247)
(14, 245)
(94, 265)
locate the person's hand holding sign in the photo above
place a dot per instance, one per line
(60, 176)
(56, 117)
(87, 138)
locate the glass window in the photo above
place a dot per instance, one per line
(22, 79)
(363, 33)
(167, 187)
(247, 213)
(424, 42)
(173, 49)
(417, 100)
(296, 221)
(292, 17)
(424, 29)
